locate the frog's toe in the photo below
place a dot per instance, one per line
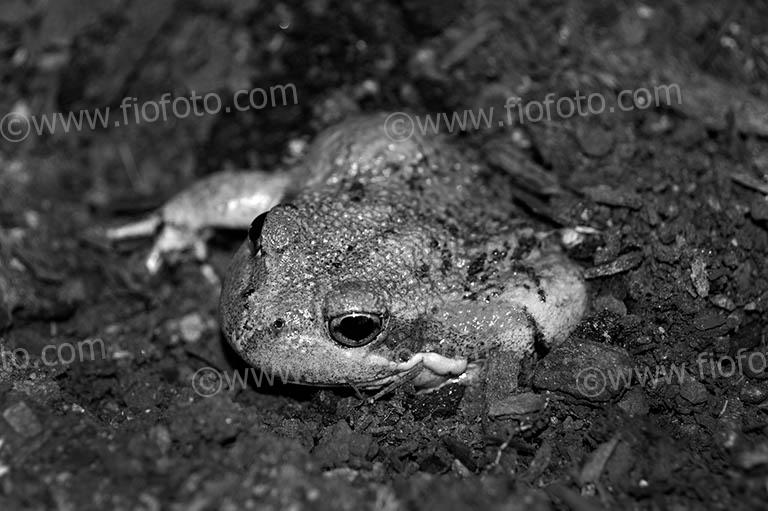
(143, 228)
(171, 242)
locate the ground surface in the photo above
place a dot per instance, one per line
(678, 271)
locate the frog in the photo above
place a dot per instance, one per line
(376, 258)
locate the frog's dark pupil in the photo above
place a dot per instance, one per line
(254, 233)
(355, 329)
(279, 323)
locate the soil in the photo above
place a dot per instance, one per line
(667, 204)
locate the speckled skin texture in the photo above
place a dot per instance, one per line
(407, 231)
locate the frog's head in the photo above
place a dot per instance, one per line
(311, 297)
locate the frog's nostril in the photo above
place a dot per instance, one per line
(355, 329)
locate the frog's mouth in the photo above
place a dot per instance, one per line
(426, 370)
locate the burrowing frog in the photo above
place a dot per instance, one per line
(373, 258)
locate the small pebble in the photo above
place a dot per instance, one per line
(595, 464)
(693, 391)
(610, 304)
(338, 443)
(707, 321)
(22, 419)
(594, 140)
(461, 451)
(459, 469)
(73, 291)
(632, 28)
(753, 393)
(666, 254)
(700, 276)
(161, 437)
(423, 64)
(729, 423)
(723, 302)
(754, 457)
(585, 370)
(603, 194)
(619, 265)
(635, 404)
(518, 405)
(759, 208)
(191, 327)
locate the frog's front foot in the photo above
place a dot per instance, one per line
(226, 199)
(436, 369)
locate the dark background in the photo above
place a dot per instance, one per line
(677, 191)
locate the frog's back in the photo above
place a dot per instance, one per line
(420, 178)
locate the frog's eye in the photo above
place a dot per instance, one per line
(254, 233)
(355, 329)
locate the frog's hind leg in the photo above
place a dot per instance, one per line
(225, 199)
(550, 290)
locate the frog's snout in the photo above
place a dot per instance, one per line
(356, 314)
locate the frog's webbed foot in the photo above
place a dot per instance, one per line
(223, 200)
